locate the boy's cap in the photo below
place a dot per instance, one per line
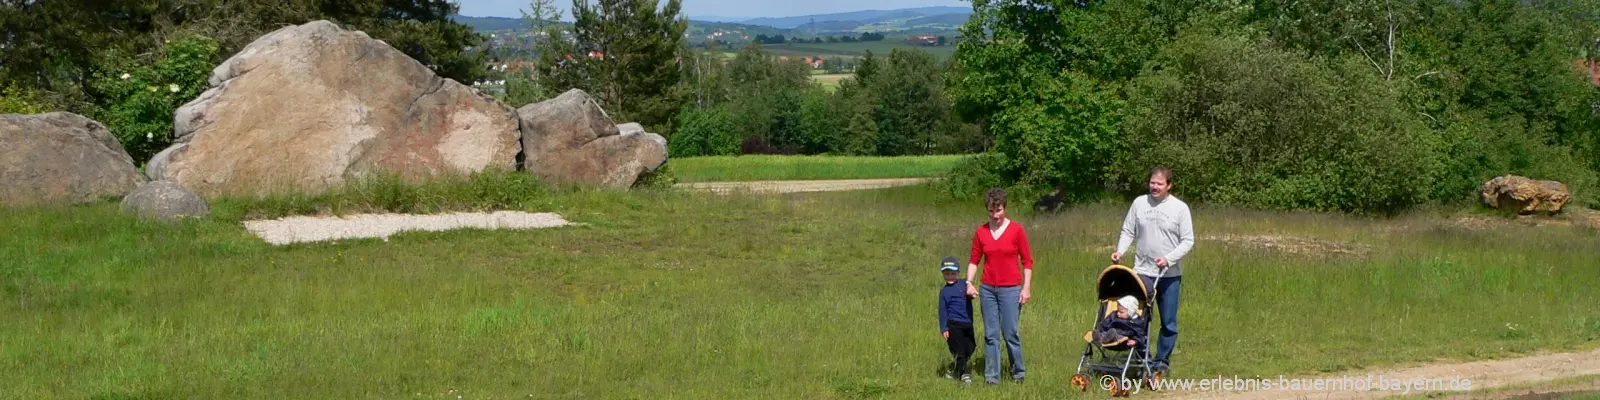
(1129, 302)
(950, 264)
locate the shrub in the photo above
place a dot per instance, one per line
(16, 100)
(760, 145)
(1243, 122)
(972, 176)
(1480, 148)
(704, 132)
(139, 97)
(661, 178)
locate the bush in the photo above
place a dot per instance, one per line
(704, 132)
(972, 176)
(15, 100)
(760, 145)
(661, 178)
(1481, 148)
(139, 98)
(1243, 122)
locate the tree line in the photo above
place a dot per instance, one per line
(1361, 106)
(780, 39)
(631, 55)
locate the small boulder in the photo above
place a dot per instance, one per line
(571, 140)
(1524, 196)
(61, 158)
(165, 201)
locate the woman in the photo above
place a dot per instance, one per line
(1006, 286)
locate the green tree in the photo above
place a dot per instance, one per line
(913, 110)
(860, 134)
(631, 49)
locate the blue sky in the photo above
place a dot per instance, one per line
(723, 8)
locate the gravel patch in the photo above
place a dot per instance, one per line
(315, 229)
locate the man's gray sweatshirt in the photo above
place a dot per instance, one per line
(1161, 229)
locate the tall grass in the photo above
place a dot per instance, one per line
(489, 190)
(764, 167)
(668, 294)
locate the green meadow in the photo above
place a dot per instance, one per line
(784, 168)
(676, 294)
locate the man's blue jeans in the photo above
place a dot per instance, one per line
(1000, 310)
(1167, 303)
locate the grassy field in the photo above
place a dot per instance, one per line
(761, 168)
(830, 82)
(856, 49)
(665, 294)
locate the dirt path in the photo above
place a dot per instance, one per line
(772, 187)
(1482, 374)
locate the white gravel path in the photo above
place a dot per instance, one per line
(314, 229)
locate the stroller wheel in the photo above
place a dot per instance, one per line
(1081, 382)
(1153, 381)
(1117, 390)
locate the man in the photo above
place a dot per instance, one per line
(1161, 226)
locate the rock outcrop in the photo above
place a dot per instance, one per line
(1524, 196)
(309, 107)
(61, 158)
(570, 140)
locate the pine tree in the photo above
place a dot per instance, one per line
(630, 50)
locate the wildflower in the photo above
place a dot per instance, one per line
(149, 135)
(125, 76)
(172, 88)
(151, 88)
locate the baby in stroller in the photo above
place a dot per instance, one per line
(1116, 352)
(1123, 327)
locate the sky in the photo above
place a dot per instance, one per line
(722, 8)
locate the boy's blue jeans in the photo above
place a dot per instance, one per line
(1167, 302)
(1000, 311)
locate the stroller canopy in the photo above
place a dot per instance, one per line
(1117, 281)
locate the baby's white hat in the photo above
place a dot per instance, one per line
(1129, 302)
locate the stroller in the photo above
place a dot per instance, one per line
(1119, 367)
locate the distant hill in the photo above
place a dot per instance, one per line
(946, 19)
(485, 24)
(717, 18)
(829, 26)
(864, 17)
(926, 20)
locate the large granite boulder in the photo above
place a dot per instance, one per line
(61, 158)
(1524, 196)
(165, 201)
(309, 107)
(570, 140)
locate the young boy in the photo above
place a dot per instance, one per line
(955, 318)
(1121, 325)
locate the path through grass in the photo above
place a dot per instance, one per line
(692, 295)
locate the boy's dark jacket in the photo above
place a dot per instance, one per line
(954, 305)
(1111, 328)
